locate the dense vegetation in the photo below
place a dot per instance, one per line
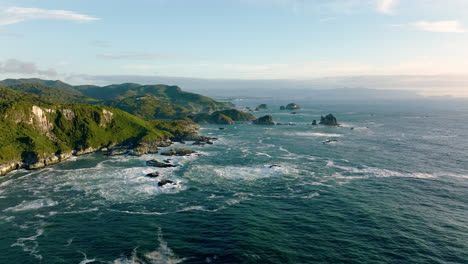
(149, 102)
(41, 121)
(33, 128)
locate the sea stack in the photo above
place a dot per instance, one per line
(263, 106)
(328, 120)
(293, 106)
(264, 120)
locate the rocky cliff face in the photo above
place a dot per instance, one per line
(33, 135)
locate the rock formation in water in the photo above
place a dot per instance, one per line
(262, 106)
(328, 120)
(178, 152)
(264, 120)
(293, 106)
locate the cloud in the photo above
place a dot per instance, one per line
(386, 6)
(16, 66)
(137, 56)
(448, 26)
(15, 15)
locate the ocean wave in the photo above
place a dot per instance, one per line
(163, 254)
(316, 134)
(29, 244)
(32, 205)
(242, 172)
(366, 172)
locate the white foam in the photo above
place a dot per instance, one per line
(316, 134)
(32, 205)
(366, 172)
(29, 244)
(162, 255)
(244, 172)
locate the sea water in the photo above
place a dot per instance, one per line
(392, 188)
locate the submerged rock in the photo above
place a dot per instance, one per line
(264, 120)
(330, 141)
(199, 143)
(293, 106)
(314, 123)
(328, 120)
(178, 152)
(282, 107)
(164, 182)
(153, 174)
(222, 128)
(158, 164)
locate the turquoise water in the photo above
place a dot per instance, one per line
(392, 190)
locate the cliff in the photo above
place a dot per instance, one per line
(36, 132)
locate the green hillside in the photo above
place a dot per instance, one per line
(35, 132)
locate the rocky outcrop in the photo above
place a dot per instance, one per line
(149, 147)
(282, 107)
(222, 119)
(158, 164)
(293, 106)
(178, 152)
(262, 106)
(6, 168)
(164, 182)
(328, 120)
(264, 120)
(314, 123)
(153, 174)
(32, 162)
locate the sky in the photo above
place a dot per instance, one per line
(419, 45)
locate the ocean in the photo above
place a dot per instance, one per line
(392, 188)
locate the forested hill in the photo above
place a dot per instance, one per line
(150, 102)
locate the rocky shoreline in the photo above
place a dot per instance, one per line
(142, 148)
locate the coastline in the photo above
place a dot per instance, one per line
(114, 150)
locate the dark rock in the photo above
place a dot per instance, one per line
(178, 152)
(263, 106)
(330, 141)
(222, 128)
(293, 106)
(153, 174)
(314, 123)
(257, 109)
(158, 164)
(117, 151)
(164, 182)
(282, 107)
(167, 160)
(294, 113)
(351, 128)
(328, 120)
(275, 166)
(199, 143)
(264, 120)
(209, 143)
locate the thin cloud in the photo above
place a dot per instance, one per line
(137, 56)
(449, 26)
(15, 15)
(21, 67)
(386, 6)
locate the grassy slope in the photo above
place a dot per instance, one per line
(21, 139)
